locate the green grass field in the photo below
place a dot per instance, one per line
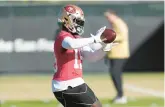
(142, 102)
(142, 90)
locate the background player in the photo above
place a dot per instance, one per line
(69, 49)
(118, 56)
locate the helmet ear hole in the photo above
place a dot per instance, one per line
(66, 19)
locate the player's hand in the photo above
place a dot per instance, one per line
(109, 46)
(97, 37)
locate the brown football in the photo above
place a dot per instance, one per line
(108, 36)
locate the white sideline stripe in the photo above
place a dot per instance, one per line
(144, 90)
(108, 105)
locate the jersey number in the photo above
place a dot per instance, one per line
(77, 65)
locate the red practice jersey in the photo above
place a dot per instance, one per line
(68, 63)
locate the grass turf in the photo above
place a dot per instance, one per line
(12, 88)
(140, 102)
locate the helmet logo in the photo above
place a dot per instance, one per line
(70, 9)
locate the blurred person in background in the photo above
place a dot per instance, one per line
(118, 55)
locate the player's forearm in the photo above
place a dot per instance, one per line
(93, 52)
(70, 43)
(97, 46)
(94, 56)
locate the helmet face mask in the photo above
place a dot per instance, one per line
(73, 19)
(79, 25)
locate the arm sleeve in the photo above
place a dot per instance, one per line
(72, 43)
(93, 52)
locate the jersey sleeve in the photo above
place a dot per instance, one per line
(63, 36)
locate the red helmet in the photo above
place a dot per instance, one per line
(73, 19)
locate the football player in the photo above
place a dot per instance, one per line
(70, 49)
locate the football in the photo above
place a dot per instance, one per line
(108, 36)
